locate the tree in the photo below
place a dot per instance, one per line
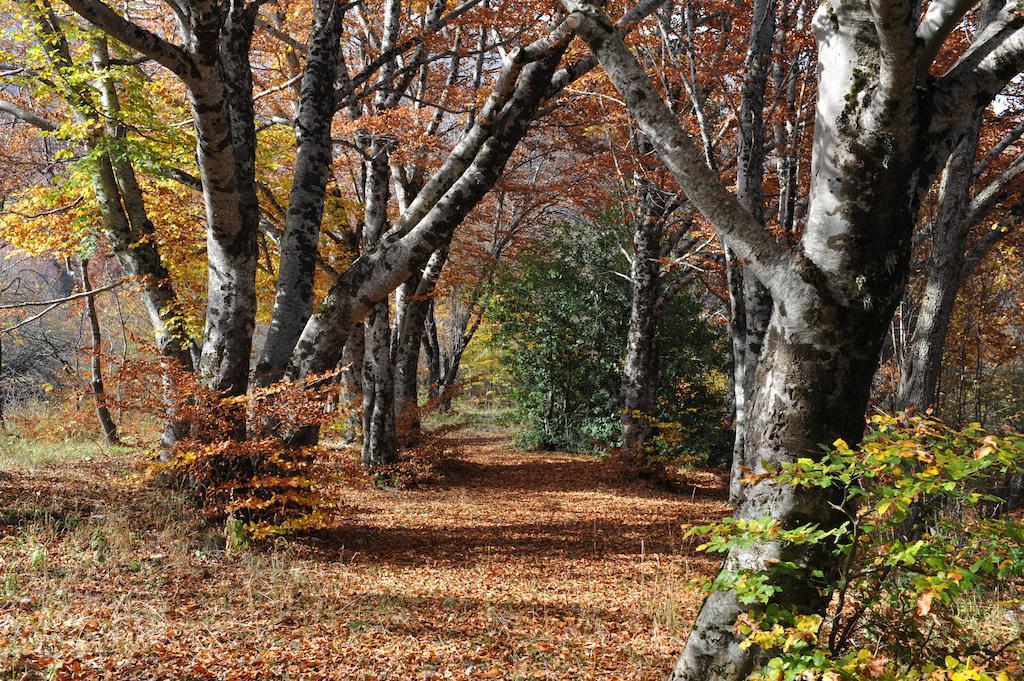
(92, 97)
(884, 129)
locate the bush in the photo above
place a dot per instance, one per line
(930, 583)
(260, 483)
(561, 318)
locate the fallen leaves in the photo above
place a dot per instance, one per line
(510, 565)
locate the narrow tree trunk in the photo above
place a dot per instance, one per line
(293, 301)
(380, 445)
(407, 350)
(757, 301)
(432, 353)
(96, 380)
(922, 363)
(639, 374)
(132, 238)
(737, 369)
(352, 385)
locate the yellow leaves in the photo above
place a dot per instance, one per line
(989, 446)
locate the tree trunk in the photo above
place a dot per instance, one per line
(293, 301)
(432, 353)
(878, 144)
(812, 387)
(738, 367)
(132, 238)
(639, 374)
(923, 359)
(757, 301)
(220, 93)
(107, 424)
(380, 445)
(407, 351)
(352, 385)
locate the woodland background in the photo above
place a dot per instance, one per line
(424, 339)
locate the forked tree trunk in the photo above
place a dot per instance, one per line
(380, 446)
(99, 393)
(410, 332)
(221, 98)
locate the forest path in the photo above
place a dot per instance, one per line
(493, 501)
(508, 565)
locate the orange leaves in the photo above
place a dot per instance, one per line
(924, 602)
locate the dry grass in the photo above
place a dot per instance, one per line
(510, 565)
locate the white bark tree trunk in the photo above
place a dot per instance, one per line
(293, 302)
(878, 143)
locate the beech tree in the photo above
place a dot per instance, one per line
(208, 47)
(960, 235)
(884, 129)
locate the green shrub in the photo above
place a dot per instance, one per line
(930, 584)
(561, 314)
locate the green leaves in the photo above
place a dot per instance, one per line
(922, 544)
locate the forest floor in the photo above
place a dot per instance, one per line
(506, 565)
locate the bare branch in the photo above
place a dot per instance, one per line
(767, 258)
(27, 116)
(941, 17)
(995, 57)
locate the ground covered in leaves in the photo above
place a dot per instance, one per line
(506, 565)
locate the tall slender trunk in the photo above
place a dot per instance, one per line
(737, 368)
(96, 363)
(380, 446)
(639, 374)
(757, 301)
(432, 353)
(293, 301)
(132, 238)
(352, 385)
(407, 348)
(922, 363)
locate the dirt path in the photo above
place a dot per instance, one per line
(511, 565)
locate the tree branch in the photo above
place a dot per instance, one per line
(27, 116)
(995, 57)
(941, 17)
(148, 43)
(769, 261)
